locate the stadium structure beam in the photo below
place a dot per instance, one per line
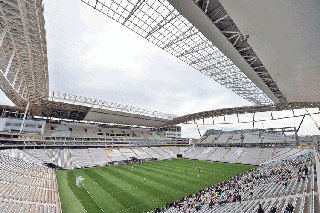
(88, 102)
(242, 110)
(163, 25)
(24, 68)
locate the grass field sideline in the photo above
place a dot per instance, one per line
(69, 202)
(118, 189)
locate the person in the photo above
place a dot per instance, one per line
(144, 179)
(172, 170)
(273, 210)
(148, 170)
(289, 208)
(132, 167)
(260, 210)
(198, 175)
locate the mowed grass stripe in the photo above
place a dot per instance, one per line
(80, 192)
(155, 191)
(99, 194)
(148, 186)
(156, 177)
(193, 173)
(178, 172)
(70, 202)
(158, 189)
(164, 171)
(128, 188)
(125, 199)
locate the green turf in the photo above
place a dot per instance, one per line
(69, 202)
(117, 188)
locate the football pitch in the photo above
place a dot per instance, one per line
(122, 188)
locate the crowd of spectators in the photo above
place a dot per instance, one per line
(251, 185)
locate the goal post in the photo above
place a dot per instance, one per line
(79, 179)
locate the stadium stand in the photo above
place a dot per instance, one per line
(223, 138)
(161, 152)
(80, 158)
(210, 139)
(251, 138)
(40, 154)
(98, 156)
(265, 155)
(236, 138)
(250, 156)
(233, 155)
(152, 153)
(17, 153)
(116, 155)
(27, 187)
(61, 157)
(218, 154)
(296, 190)
(195, 152)
(156, 135)
(206, 153)
(190, 149)
(128, 153)
(270, 186)
(174, 149)
(169, 151)
(183, 150)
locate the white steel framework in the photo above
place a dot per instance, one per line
(23, 54)
(160, 23)
(94, 103)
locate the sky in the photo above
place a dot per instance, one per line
(93, 56)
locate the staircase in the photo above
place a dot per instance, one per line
(166, 151)
(107, 152)
(260, 156)
(123, 155)
(32, 156)
(90, 157)
(157, 152)
(240, 156)
(226, 154)
(211, 153)
(69, 157)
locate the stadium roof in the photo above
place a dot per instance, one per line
(72, 107)
(265, 59)
(243, 110)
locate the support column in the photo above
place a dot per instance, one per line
(317, 167)
(10, 62)
(24, 118)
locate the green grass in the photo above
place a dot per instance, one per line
(69, 202)
(117, 188)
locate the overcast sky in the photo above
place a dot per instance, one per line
(93, 56)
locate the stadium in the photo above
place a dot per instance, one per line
(70, 153)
